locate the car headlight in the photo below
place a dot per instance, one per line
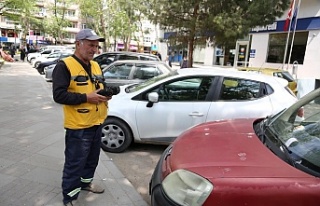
(187, 188)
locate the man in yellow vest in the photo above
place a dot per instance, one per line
(75, 85)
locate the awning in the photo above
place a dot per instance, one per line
(120, 46)
(3, 39)
(154, 47)
(133, 47)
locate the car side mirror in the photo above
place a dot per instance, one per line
(153, 97)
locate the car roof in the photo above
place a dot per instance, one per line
(137, 61)
(128, 53)
(262, 69)
(230, 72)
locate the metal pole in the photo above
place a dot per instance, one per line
(0, 28)
(288, 35)
(293, 35)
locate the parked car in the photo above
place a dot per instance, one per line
(159, 109)
(42, 65)
(32, 56)
(133, 71)
(257, 161)
(51, 57)
(107, 58)
(276, 73)
(48, 72)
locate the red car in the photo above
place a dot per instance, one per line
(248, 162)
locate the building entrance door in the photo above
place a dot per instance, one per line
(241, 57)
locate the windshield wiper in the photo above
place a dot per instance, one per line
(287, 152)
(275, 147)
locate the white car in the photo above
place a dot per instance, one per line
(51, 57)
(32, 56)
(161, 108)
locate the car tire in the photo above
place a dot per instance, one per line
(31, 60)
(36, 64)
(116, 136)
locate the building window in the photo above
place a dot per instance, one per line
(277, 43)
(71, 13)
(69, 36)
(146, 39)
(73, 25)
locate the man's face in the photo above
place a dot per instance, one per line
(87, 49)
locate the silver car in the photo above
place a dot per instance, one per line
(48, 72)
(133, 71)
(125, 71)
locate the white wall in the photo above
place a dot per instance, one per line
(305, 86)
(311, 64)
(307, 8)
(259, 43)
(199, 55)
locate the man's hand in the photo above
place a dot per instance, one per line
(95, 98)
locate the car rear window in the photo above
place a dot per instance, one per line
(120, 71)
(128, 57)
(239, 89)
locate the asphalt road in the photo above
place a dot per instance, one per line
(137, 165)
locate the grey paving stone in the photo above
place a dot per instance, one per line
(44, 176)
(32, 147)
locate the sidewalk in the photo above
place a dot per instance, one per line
(32, 147)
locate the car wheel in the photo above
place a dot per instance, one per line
(36, 64)
(32, 60)
(116, 136)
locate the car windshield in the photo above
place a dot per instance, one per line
(296, 132)
(137, 87)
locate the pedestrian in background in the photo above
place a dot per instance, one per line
(12, 51)
(75, 85)
(22, 53)
(184, 63)
(159, 55)
(168, 61)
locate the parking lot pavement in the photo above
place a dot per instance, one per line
(32, 146)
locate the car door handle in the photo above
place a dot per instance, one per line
(196, 114)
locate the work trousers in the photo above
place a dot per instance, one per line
(82, 150)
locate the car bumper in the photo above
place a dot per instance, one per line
(158, 196)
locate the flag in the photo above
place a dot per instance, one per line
(288, 20)
(293, 20)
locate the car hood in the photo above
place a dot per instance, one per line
(227, 149)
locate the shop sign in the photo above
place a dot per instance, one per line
(270, 27)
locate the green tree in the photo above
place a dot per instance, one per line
(21, 11)
(224, 21)
(54, 25)
(114, 19)
(94, 14)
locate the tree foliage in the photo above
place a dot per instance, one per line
(224, 21)
(94, 14)
(111, 19)
(22, 12)
(54, 25)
